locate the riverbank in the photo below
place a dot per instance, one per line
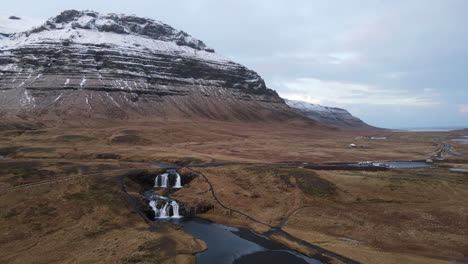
(85, 219)
(389, 212)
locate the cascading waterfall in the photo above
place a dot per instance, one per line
(175, 209)
(165, 204)
(165, 210)
(153, 205)
(178, 183)
(163, 213)
(156, 181)
(162, 180)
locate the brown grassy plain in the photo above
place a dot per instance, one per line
(397, 216)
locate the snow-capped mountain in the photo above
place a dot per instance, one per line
(83, 63)
(329, 115)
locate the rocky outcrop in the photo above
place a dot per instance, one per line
(328, 115)
(83, 63)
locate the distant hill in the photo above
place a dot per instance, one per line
(328, 115)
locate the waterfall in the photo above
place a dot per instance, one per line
(164, 179)
(165, 204)
(153, 205)
(164, 211)
(175, 209)
(156, 185)
(178, 183)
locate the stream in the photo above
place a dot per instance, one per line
(460, 140)
(394, 164)
(226, 244)
(232, 245)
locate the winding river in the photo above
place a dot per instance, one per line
(232, 245)
(226, 244)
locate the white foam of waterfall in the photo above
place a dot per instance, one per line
(178, 183)
(164, 178)
(163, 213)
(175, 209)
(153, 205)
(156, 180)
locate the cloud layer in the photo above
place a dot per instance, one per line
(340, 93)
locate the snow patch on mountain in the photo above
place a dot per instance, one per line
(328, 115)
(128, 33)
(305, 106)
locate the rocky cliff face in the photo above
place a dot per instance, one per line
(328, 115)
(83, 63)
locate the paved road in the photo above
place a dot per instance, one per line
(447, 150)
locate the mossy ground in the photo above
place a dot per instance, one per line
(398, 216)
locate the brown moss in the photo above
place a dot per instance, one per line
(149, 252)
(129, 139)
(21, 126)
(310, 183)
(73, 138)
(23, 171)
(99, 192)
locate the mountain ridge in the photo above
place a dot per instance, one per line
(87, 64)
(333, 116)
(119, 24)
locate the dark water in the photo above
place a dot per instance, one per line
(428, 129)
(408, 164)
(459, 170)
(227, 245)
(269, 257)
(396, 164)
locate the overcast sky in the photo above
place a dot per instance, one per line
(393, 63)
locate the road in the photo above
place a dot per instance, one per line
(447, 150)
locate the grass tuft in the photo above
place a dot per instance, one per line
(73, 138)
(99, 193)
(129, 139)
